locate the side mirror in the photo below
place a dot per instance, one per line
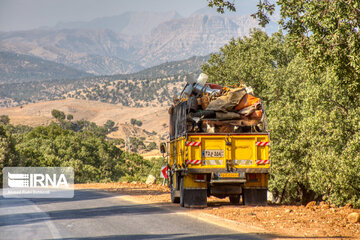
(163, 148)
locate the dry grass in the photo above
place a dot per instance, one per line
(38, 114)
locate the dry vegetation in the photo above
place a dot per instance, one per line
(154, 119)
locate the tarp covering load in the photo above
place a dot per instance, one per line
(212, 108)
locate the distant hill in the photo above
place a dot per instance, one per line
(129, 23)
(103, 65)
(129, 42)
(174, 68)
(151, 87)
(16, 68)
(96, 51)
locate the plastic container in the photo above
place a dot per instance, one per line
(202, 79)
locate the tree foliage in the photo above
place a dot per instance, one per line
(151, 146)
(58, 115)
(4, 119)
(109, 125)
(134, 122)
(93, 157)
(222, 5)
(8, 154)
(312, 112)
(69, 117)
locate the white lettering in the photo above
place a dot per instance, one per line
(49, 180)
(38, 178)
(62, 181)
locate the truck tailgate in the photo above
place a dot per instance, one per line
(222, 151)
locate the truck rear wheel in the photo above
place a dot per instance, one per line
(192, 197)
(234, 199)
(255, 196)
(173, 198)
(182, 195)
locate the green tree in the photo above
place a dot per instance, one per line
(109, 124)
(69, 117)
(312, 100)
(8, 155)
(4, 119)
(151, 146)
(134, 122)
(58, 115)
(221, 5)
(138, 123)
(252, 60)
(278, 78)
(326, 33)
(92, 157)
(136, 144)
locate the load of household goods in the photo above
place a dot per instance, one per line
(212, 108)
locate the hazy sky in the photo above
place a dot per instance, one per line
(28, 14)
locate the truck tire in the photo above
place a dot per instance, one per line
(255, 197)
(192, 198)
(182, 195)
(173, 198)
(234, 199)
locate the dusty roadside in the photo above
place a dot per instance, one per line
(277, 221)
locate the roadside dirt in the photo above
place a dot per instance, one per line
(278, 221)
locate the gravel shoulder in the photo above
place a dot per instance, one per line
(274, 221)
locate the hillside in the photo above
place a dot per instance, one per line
(181, 67)
(152, 86)
(154, 119)
(16, 68)
(129, 42)
(103, 65)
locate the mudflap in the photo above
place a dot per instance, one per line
(255, 197)
(195, 198)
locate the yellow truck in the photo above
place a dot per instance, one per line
(200, 164)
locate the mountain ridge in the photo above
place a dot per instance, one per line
(104, 51)
(129, 23)
(152, 86)
(16, 68)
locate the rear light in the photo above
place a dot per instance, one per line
(252, 177)
(200, 177)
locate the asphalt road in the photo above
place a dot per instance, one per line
(99, 215)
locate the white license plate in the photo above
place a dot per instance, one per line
(213, 153)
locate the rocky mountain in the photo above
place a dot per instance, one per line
(197, 35)
(129, 23)
(129, 42)
(87, 50)
(16, 68)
